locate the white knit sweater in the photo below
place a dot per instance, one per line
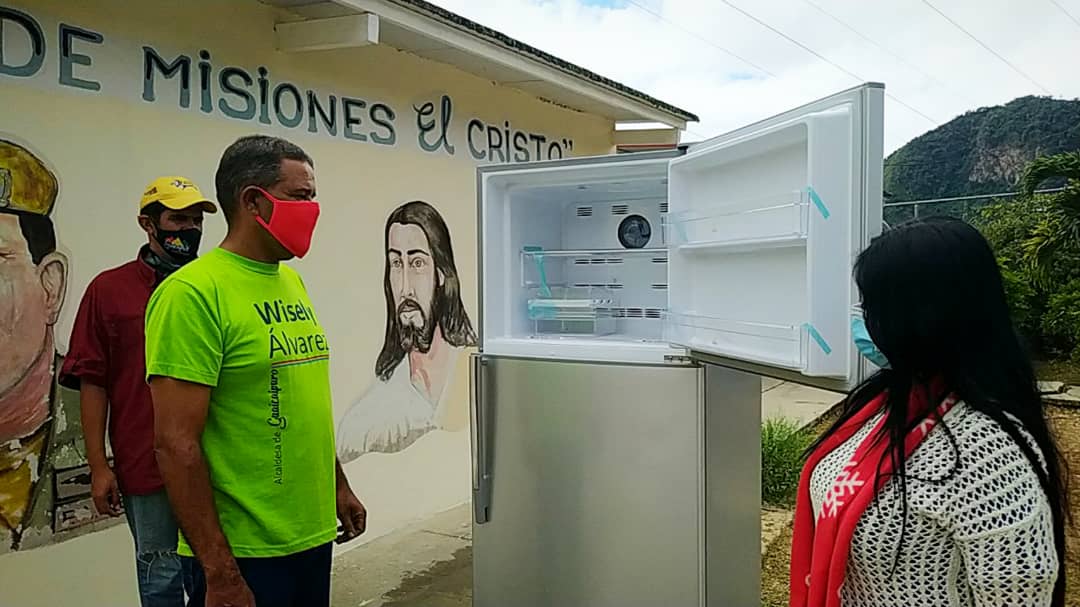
(979, 532)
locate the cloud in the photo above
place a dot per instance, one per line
(677, 56)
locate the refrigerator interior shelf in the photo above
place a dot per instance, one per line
(610, 253)
(608, 269)
(781, 345)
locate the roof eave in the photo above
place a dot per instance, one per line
(468, 36)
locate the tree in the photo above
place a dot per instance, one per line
(1059, 227)
(1036, 242)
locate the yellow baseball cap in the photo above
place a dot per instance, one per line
(176, 193)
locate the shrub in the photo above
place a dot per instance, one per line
(1024, 301)
(1061, 321)
(1043, 299)
(782, 446)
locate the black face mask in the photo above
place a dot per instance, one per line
(181, 245)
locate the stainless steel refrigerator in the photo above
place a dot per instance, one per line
(629, 307)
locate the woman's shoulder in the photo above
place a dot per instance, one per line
(981, 439)
(990, 483)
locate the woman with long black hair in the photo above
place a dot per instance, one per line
(940, 484)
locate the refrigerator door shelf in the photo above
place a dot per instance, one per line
(742, 226)
(777, 345)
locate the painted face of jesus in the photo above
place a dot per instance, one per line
(414, 281)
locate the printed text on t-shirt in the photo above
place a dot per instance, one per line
(294, 338)
(287, 347)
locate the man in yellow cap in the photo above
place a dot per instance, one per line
(105, 363)
(33, 279)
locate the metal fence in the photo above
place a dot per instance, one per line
(966, 208)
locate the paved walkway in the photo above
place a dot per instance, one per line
(430, 564)
(797, 403)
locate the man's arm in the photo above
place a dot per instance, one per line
(350, 510)
(340, 479)
(184, 350)
(94, 403)
(180, 410)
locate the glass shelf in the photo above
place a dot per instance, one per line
(643, 272)
(531, 253)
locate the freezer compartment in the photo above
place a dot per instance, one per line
(575, 261)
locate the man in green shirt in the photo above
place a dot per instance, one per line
(239, 372)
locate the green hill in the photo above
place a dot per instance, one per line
(984, 150)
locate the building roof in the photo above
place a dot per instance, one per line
(422, 28)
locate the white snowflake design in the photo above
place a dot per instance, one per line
(846, 485)
(928, 424)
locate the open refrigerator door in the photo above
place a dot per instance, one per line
(764, 227)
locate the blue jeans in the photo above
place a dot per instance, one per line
(297, 580)
(156, 532)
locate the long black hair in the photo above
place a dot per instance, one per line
(447, 309)
(935, 306)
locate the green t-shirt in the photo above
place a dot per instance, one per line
(247, 330)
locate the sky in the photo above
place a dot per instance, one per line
(719, 59)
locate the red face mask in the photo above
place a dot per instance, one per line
(292, 222)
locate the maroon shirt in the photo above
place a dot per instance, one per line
(108, 349)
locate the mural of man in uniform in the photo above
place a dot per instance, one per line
(33, 281)
(427, 328)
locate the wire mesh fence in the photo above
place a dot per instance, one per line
(966, 208)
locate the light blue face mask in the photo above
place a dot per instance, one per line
(863, 342)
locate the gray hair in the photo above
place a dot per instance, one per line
(253, 160)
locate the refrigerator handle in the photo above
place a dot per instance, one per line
(481, 476)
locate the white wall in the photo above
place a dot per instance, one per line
(105, 145)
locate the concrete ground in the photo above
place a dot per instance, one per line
(430, 564)
(800, 404)
(427, 564)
